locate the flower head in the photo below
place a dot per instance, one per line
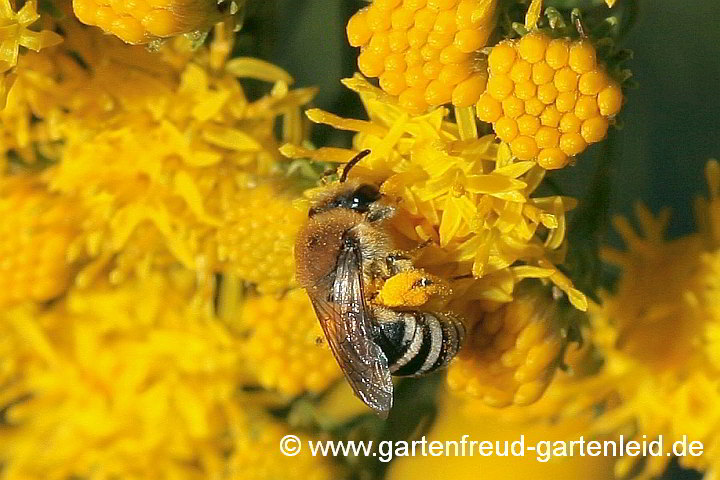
(548, 98)
(424, 52)
(166, 155)
(282, 345)
(463, 202)
(656, 339)
(144, 21)
(75, 391)
(512, 354)
(35, 233)
(137, 380)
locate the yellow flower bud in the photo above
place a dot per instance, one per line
(147, 20)
(285, 344)
(440, 37)
(554, 83)
(511, 355)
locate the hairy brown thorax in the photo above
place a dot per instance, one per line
(318, 244)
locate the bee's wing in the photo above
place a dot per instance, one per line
(348, 329)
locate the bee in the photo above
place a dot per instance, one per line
(343, 249)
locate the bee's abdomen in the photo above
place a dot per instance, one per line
(416, 343)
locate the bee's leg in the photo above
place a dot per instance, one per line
(398, 262)
(422, 245)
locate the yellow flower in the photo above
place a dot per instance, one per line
(284, 344)
(456, 419)
(144, 21)
(165, 154)
(548, 98)
(464, 198)
(425, 53)
(255, 241)
(15, 33)
(130, 381)
(135, 381)
(36, 230)
(656, 336)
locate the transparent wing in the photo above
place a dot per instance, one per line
(348, 329)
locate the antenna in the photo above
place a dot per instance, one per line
(352, 163)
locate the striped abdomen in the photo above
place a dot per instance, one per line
(417, 343)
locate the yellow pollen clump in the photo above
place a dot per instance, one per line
(35, 232)
(512, 353)
(422, 51)
(285, 344)
(411, 289)
(555, 81)
(146, 20)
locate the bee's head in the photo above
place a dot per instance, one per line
(351, 195)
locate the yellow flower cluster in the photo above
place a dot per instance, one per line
(287, 353)
(255, 241)
(128, 179)
(653, 370)
(146, 20)
(464, 198)
(137, 381)
(188, 162)
(135, 182)
(512, 353)
(648, 333)
(423, 51)
(35, 233)
(15, 34)
(548, 98)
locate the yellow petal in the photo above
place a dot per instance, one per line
(323, 154)
(247, 67)
(451, 220)
(186, 187)
(320, 116)
(230, 138)
(490, 184)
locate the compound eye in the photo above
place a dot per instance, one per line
(363, 196)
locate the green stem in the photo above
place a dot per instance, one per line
(589, 224)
